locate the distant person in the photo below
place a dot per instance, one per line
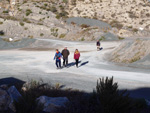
(58, 59)
(65, 53)
(98, 45)
(76, 57)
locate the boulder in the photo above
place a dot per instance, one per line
(4, 100)
(147, 102)
(14, 95)
(51, 104)
(4, 86)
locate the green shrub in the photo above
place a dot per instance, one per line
(2, 33)
(1, 22)
(82, 39)
(111, 99)
(120, 38)
(45, 4)
(19, 9)
(30, 36)
(62, 35)
(5, 11)
(54, 32)
(61, 7)
(106, 99)
(25, 28)
(26, 20)
(130, 27)
(85, 26)
(28, 12)
(21, 23)
(65, 1)
(116, 24)
(102, 38)
(73, 2)
(135, 30)
(10, 18)
(24, 2)
(58, 16)
(40, 23)
(132, 14)
(135, 58)
(41, 34)
(80, 102)
(147, 14)
(28, 103)
(53, 9)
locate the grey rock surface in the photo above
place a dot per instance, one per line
(13, 45)
(52, 104)
(14, 95)
(4, 100)
(87, 21)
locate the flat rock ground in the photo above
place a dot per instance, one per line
(27, 64)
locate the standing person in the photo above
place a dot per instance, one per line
(76, 57)
(58, 59)
(98, 45)
(65, 53)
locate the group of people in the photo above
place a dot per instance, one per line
(64, 55)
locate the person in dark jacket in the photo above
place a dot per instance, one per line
(58, 59)
(98, 45)
(76, 57)
(65, 53)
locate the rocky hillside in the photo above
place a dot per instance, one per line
(45, 19)
(31, 19)
(133, 53)
(128, 16)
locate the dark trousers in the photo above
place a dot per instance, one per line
(65, 61)
(58, 63)
(77, 61)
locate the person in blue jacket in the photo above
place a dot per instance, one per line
(58, 59)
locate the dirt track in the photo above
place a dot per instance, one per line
(25, 65)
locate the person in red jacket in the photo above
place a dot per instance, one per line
(76, 57)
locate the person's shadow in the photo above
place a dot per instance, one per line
(73, 64)
(84, 63)
(101, 48)
(70, 64)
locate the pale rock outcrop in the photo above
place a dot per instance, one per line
(7, 98)
(15, 95)
(51, 104)
(4, 100)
